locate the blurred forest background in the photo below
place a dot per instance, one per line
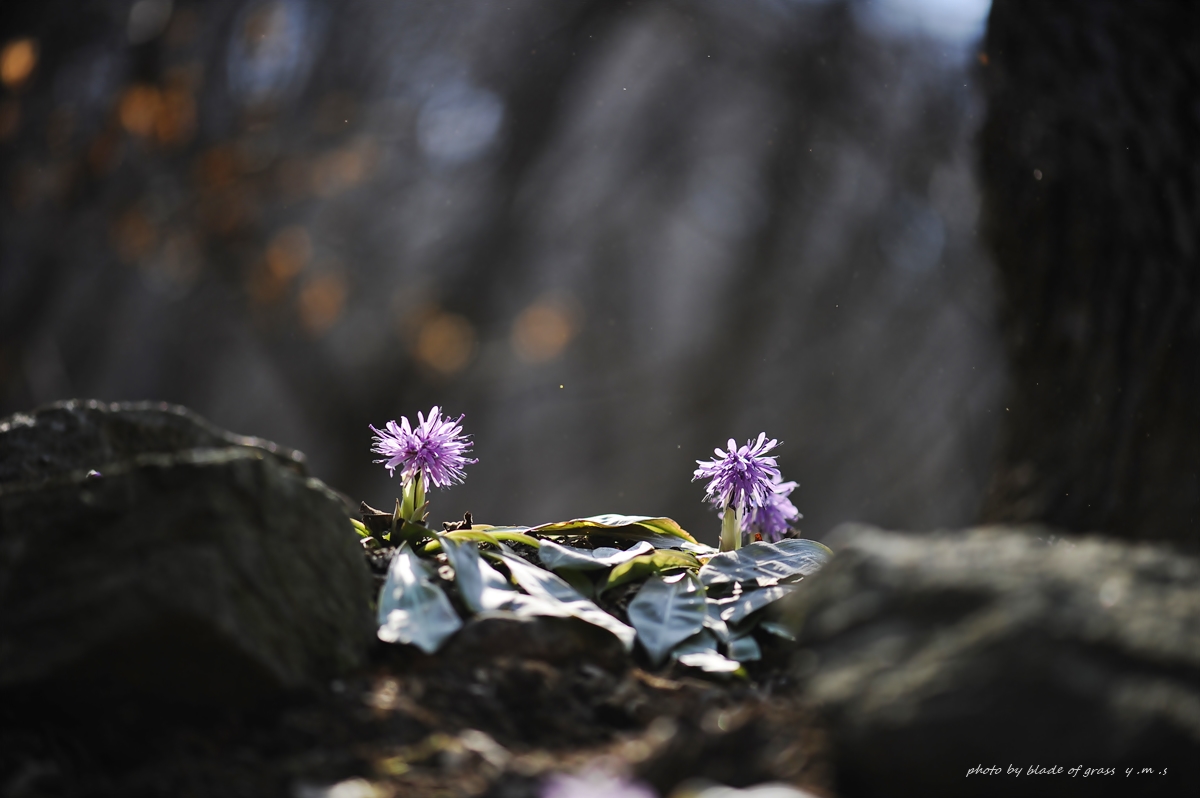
(614, 234)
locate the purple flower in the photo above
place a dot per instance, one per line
(771, 519)
(594, 784)
(434, 447)
(740, 477)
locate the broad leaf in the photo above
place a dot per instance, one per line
(546, 586)
(667, 613)
(735, 608)
(661, 526)
(637, 533)
(778, 629)
(555, 555)
(744, 648)
(481, 586)
(703, 640)
(710, 662)
(511, 534)
(580, 581)
(647, 564)
(713, 622)
(766, 564)
(485, 534)
(412, 608)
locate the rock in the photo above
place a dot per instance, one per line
(83, 435)
(932, 654)
(197, 567)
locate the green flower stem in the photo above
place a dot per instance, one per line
(731, 528)
(413, 499)
(418, 499)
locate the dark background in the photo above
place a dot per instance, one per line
(614, 234)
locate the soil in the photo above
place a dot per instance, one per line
(460, 723)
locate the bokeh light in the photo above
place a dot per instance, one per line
(544, 328)
(445, 342)
(17, 60)
(321, 302)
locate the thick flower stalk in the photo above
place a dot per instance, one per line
(431, 452)
(740, 480)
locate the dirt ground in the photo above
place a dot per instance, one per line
(414, 725)
(500, 708)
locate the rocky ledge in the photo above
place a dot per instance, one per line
(1004, 650)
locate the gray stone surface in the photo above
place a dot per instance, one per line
(932, 654)
(85, 434)
(199, 568)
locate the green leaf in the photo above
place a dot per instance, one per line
(412, 608)
(766, 564)
(636, 533)
(555, 555)
(665, 613)
(713, 622)
(481, 586)
(744, 648)
(513, 534)
(489, 528)
(778, 629)
(700, 651)
(647, 564)
(660, 526)
(481, 534)
(734, 610)
(360, 528)
(580, 581)
(435, 545)
(542, 584)
(704, 640)
(495, 534)
(408, 532)
(484, 589)
(710, 662)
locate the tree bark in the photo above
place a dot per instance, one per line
(1091, 172)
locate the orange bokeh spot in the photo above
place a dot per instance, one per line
(176, 119)
(138, 110)
(168, 115)
(216, 169)
(321, 302)
(17, 61)
(288, 252)
(338, 171)
(445, 342)
(134, 236)
(543, 330)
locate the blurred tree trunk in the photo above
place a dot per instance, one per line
(1091, 173)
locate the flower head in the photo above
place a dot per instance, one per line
(771, 519)
(434, 447)
(742, 477)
